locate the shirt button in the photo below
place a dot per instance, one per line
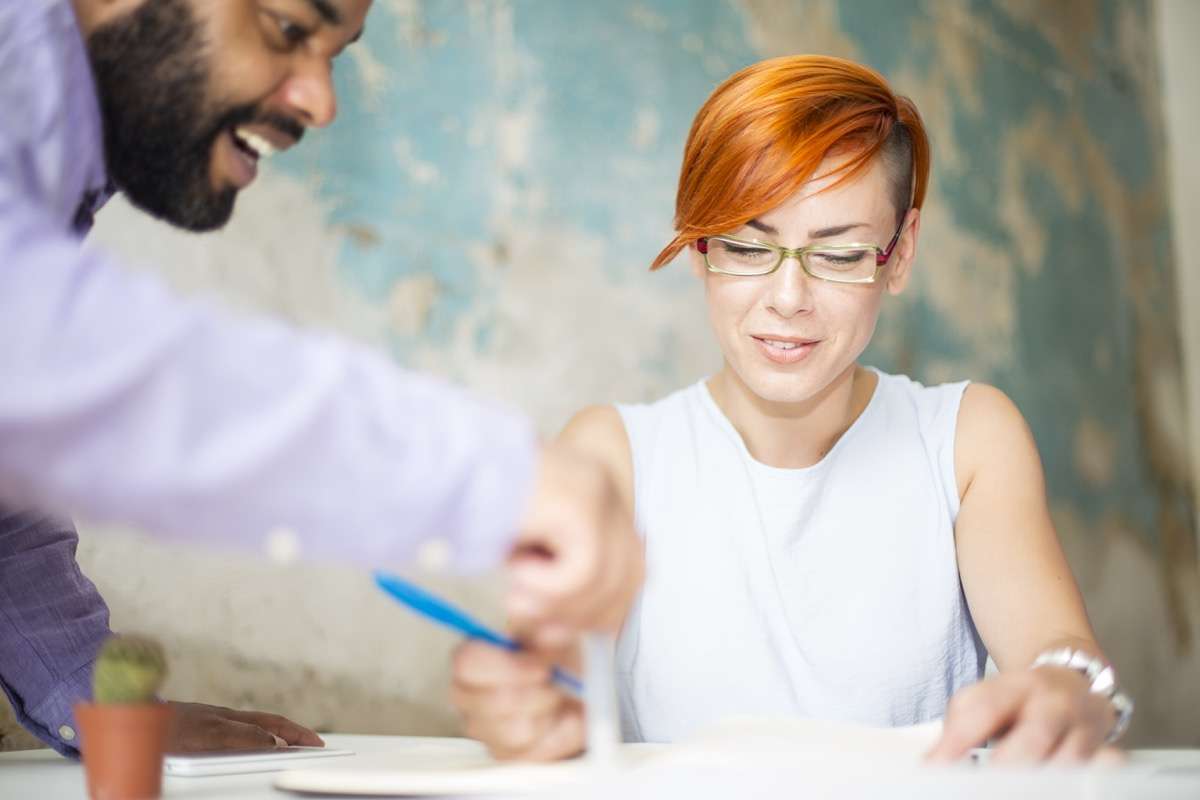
(435, 555)
(66, 732)
(283, 545)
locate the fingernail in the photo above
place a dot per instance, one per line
(279, 742)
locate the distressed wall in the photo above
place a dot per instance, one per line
(485, 208)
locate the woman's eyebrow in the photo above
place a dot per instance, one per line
(759, 225)
(823, 233)
(819, 233)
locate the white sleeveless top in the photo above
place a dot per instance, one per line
(829, 592)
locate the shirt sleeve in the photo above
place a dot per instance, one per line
(52, 623)
(124, 402)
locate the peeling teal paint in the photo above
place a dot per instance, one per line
(578, 76)
(883, 31)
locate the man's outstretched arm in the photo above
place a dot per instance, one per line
(124, 402)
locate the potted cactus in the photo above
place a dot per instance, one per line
(124, 728)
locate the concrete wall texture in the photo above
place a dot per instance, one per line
(485, 208)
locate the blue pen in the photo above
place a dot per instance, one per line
(439, 610)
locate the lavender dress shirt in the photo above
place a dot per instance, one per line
(121, 401)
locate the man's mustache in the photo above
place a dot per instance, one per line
(253, 115)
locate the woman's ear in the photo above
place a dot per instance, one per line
(900, 268)
(696, 260)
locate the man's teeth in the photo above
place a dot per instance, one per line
(252, 141)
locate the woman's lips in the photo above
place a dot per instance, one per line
(785, 350)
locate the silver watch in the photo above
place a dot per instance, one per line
(1102, 680)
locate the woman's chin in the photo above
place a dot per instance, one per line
(778, 387)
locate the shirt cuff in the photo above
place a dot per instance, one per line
(53, 720)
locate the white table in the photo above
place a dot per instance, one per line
(44, 775)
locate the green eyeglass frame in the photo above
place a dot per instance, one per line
(882, 256)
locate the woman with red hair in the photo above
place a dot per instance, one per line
(822, 539)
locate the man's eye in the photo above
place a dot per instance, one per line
(294, 34)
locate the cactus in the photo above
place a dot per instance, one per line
(129, 669)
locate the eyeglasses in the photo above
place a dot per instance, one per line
(840, 263)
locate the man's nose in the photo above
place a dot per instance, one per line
(310, 94)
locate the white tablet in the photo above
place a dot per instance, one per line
(232, 762)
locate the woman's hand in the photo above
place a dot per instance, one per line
(1036, 715)
(509, 703)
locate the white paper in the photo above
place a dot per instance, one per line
(749, 742)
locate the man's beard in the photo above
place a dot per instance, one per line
(152, 77)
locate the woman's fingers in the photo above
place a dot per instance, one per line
(510, 737)
(508, 703)
(1046, 714)
(1075, 748)
(976, 714)
(1042, 727)
(566, 736)
(481, 666)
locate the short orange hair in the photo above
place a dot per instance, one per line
(763, 132)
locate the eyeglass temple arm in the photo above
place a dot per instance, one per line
(882, 258)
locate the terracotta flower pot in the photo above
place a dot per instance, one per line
(123, 749)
